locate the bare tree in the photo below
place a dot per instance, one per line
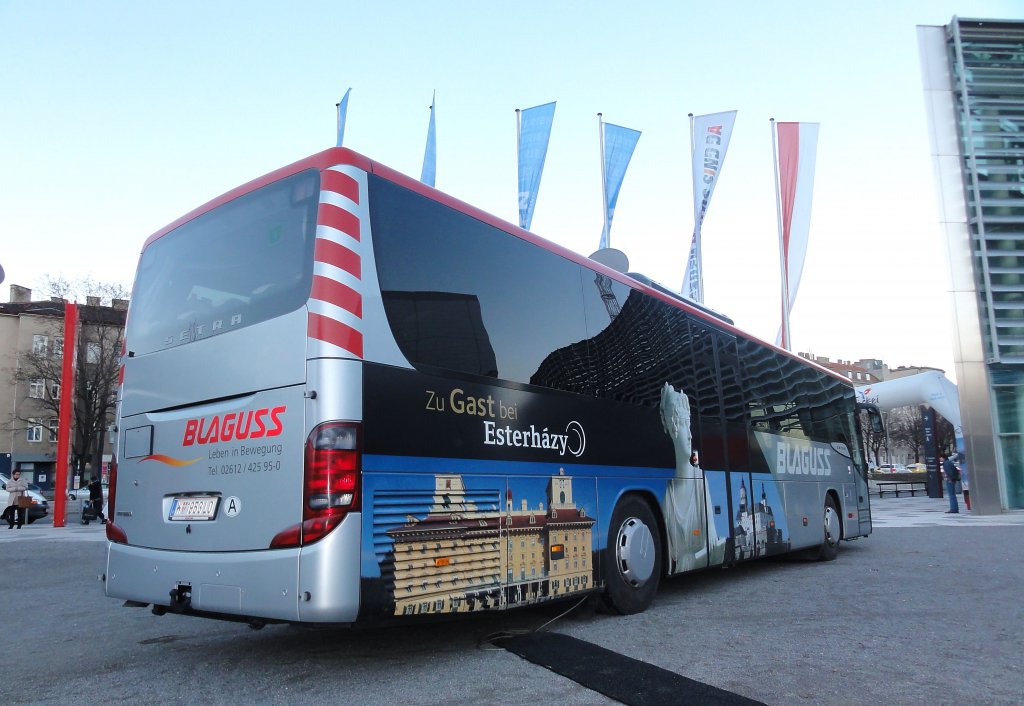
(906, 429)
(97, 363)
(80, 288)
(945, 436)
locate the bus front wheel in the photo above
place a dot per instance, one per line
(632, 560)
(829, 548)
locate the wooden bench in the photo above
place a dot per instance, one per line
(894, 486)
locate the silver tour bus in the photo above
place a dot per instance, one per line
(347, 397)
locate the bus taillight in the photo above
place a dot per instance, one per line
(330, 484)
(114, 533)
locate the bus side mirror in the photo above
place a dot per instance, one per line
(874, 415)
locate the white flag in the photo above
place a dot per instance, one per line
(711, 134)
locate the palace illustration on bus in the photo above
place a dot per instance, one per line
(348, 398)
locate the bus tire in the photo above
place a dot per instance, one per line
(833, 529)
(632, 562)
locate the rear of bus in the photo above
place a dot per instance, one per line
(237, 481)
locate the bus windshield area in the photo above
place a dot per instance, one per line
(246, 261)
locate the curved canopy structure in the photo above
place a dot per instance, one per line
(931, 388)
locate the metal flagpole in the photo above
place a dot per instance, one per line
(782, 244)
(606, 239)
(696, 227)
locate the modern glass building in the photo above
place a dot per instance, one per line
(973, 73)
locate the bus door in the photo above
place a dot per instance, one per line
(733, 432)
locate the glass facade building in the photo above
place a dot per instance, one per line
(973, 72)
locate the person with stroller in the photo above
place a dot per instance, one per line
(96, 499)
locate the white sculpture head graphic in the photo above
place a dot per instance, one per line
(675, 419)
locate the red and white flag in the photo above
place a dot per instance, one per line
(797, 144)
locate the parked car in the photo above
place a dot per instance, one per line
(887, 468)
(40, 505)
(82, 493)
(917, 468)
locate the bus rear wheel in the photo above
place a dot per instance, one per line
(632, 560)
(829, 548)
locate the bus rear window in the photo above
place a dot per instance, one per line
(246, 261)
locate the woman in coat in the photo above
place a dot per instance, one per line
(16, 488)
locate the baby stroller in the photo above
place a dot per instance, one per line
(89, 513)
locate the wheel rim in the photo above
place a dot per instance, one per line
(634, 552)
(831, 526)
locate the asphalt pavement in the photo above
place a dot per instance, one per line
(926, 610)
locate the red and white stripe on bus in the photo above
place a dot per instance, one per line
(336, 300)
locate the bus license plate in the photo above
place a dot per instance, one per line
(193, 508)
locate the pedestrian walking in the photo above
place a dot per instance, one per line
(952, 474)
(96, 499)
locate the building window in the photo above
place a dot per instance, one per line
(34, 432)
(37, 388)
(55, 391)
(40, 344)
(92, 352)
(58, 348)
(54, 423)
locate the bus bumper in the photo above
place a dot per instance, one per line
(316, 584)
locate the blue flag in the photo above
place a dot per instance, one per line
(619, 143)
(534, 134)
(430, 154)
(342, 111)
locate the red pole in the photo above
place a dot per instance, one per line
(67, 388)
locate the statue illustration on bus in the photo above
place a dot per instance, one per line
(687, 496)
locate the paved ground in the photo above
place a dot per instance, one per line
(888, 511)
(921, 511)
(926, 611)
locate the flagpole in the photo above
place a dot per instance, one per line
(696, 228)
(606, 234)
(782, 243)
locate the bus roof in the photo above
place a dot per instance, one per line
(342, 155)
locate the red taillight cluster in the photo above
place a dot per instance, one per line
(114, 533)
(330, 484)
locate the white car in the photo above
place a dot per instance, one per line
(82, 493)
(40, 505)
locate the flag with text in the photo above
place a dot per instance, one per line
(711, 134)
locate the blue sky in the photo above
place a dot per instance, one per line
(119, 117)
